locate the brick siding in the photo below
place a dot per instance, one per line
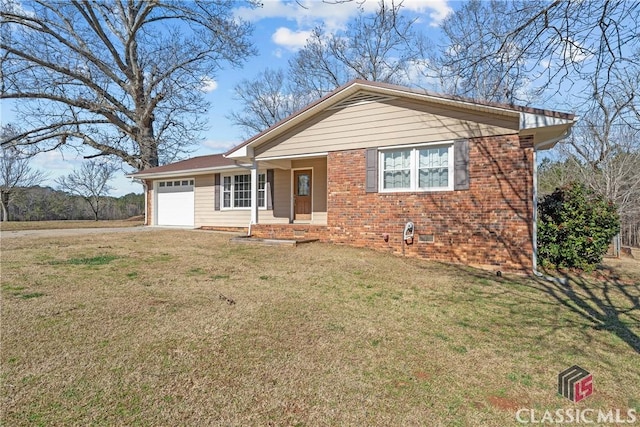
(488, 225)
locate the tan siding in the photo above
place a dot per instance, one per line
(395, 122)
(319, 218)
(204, 192)
(266, 217)
(282, 194)
(206, 215)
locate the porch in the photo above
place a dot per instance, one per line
(296, 197)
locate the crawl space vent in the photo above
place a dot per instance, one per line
(426, 238)
(360, 98)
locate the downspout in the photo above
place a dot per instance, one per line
(146, 199)
(534, 237)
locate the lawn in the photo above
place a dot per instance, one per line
(176, 327)
(54, 225)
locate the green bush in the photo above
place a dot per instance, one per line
(575, 228)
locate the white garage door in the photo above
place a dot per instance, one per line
(175, 203)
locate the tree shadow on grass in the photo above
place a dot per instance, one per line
(606, 301)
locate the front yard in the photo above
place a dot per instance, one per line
(183, 328)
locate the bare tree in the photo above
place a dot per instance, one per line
(554, 46)
(605, 150)
(383, 47)
(266, 100)
(472, 62)
(91, 182)
(124, 78)
(15, 172)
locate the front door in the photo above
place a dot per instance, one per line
(302, 195)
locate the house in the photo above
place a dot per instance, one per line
(359, 164)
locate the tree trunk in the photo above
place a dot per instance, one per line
(4, 201)
(148, 149)
(95, 211)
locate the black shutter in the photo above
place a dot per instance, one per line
(216, 191)
(461, 164)
(269, 189)
(371, 185)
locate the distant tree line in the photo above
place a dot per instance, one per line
(45, 203)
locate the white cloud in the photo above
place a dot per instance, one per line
(310, 13)
(55, 162)
(219, 146)
(208, 84)
(438, 9)
(292, 40)
(306, 13)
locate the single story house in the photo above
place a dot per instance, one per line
(359, 164)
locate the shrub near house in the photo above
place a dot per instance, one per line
(575, 227)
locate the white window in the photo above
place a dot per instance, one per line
(236, 191)
(396, 169)
(183, 183)
(425, 168)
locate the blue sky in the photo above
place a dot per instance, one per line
(280, 28)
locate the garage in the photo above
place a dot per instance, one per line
(175, 203)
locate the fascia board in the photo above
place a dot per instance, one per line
(185, 172)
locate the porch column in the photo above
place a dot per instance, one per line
(254, 193)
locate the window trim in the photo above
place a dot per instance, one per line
(232, 176)
(414, 169)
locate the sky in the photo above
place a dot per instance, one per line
(280, 29)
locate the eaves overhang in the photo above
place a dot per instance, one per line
(528, 118)
(181, 173)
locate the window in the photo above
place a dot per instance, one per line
(433, 168)
(236, 191)
(183, 183)
(242, 191)
(397, 169)
(262, 187)
(427, 168)
(226, 192)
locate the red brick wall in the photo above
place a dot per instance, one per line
(290, 231)
(488, 225)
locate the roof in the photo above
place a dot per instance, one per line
(548, 126)
(529, 117)
(195, 165)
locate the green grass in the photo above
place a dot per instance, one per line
(95, 260)
(182, 328)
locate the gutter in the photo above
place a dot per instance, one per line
(534, 239)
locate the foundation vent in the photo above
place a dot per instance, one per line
(426, 238)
